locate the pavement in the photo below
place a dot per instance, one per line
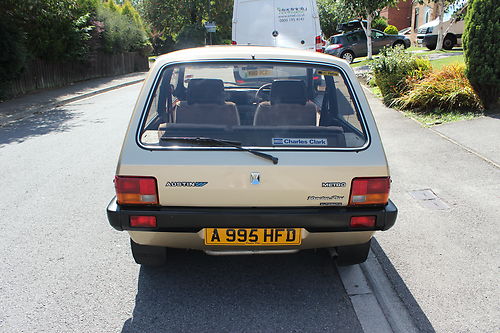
(25, 106)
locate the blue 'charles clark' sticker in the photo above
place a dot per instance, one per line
(300, 142)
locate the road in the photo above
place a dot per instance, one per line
(64, 269)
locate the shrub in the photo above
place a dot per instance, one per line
(120, 32)
(13, 55)
(391, 30)
(447, 89)
(395, 70)
(482, 50)
(379, 23)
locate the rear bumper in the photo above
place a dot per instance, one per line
(194, 219)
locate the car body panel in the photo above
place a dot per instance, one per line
(226, 173)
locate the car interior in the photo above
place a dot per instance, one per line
(254, 111)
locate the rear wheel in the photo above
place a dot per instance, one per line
(448, 43)
(352, 254)
(148, 255)
(399, 43)
(347, 56)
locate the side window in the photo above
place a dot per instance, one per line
(376, 34)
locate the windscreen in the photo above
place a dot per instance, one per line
(261, 105)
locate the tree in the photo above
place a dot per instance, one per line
(368, 10)
(171, 17)
(331, 13)
(482, 50)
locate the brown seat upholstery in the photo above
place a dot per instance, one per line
(205, 104)
(288, 106)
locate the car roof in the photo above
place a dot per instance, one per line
(234, 52)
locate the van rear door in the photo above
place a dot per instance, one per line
(253, 22)
(296, 24)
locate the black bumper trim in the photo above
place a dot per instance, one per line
(193, 219)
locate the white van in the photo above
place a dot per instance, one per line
(283, 23)
(427, 34)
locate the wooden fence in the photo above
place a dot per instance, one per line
(40, 74)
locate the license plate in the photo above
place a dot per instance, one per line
(260, 72)
(255, 236)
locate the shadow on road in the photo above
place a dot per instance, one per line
(264, 293)
(36, 125)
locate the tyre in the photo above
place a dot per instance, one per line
(448, 43)
(398, 43)
(347, 56)
(148, 255)
(352, 254)
(431, 47)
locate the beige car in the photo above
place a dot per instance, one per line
(243, 150)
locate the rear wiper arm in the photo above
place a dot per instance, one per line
(221, 142)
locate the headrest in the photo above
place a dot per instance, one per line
(289, 92)
(205, 91)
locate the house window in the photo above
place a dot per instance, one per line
(427, 15)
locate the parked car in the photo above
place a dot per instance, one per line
(351, 45)
(248, 150)
(427, 34)
(277, 23)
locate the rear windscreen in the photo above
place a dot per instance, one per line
(265, 105)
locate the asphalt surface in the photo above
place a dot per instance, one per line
(446, 249)
(64, 269)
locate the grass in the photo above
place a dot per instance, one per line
(362, 61)
(437, 117)
(439, 63)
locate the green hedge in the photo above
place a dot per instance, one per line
(482, 49)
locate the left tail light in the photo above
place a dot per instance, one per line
(136, 190)
(370, 191)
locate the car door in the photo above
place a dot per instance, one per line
(359, 46)
(379, 41)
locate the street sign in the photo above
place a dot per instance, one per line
(210, 26)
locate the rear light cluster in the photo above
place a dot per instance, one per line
(319, 44)
(136, 190)
(233, 42)
(370, 191)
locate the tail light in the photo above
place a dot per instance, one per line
(370, 191)
(319, 44)
(335, 46)
(233, 42)
(136, 190)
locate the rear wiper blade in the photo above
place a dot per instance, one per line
(221, 142)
